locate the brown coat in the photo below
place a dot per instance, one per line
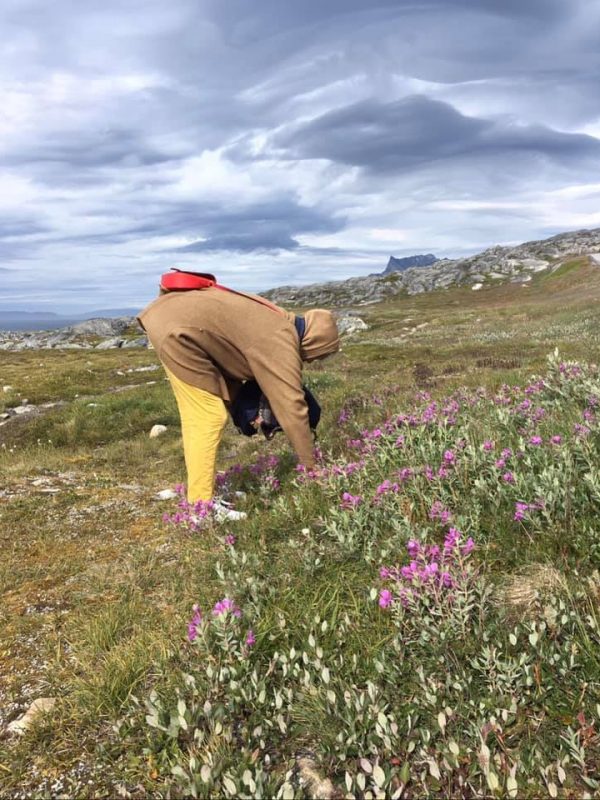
(214, 339)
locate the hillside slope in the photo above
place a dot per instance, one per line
(497, 264)
(418, 617)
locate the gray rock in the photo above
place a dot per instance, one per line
(40, 706)
(102, 327)
(110, 344)
(141, 341)
(349, 325)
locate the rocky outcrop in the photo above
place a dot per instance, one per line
(81, 336)
(506, 264)
(400, 264)
(102, 327)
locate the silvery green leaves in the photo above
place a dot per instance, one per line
(484, 683)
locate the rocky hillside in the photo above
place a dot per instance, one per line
(516, 264)
(495, 265)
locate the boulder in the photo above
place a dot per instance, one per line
(141, 341)
(110, 344)
(102, 327)
(40, 706)
(349, 325)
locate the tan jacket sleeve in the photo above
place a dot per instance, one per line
(277, 367)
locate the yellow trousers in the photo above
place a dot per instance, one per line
(203, 417)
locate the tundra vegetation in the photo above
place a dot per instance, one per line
(419, 616)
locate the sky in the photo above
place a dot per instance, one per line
(277, 142)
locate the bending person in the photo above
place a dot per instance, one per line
(210, 341)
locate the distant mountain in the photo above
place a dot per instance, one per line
(400, 264)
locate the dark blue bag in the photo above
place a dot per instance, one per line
(251, 412)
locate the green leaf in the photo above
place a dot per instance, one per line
(379, 776)
(512, 787)
(287, 791)
(405, 772)
(205, 773)
(492, 780)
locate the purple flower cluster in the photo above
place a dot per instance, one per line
(432, 570)
(194, 623)
(226, 606)
(522, 508)
(190, 515)
(222, 611)
(350, 501)
(437, 511)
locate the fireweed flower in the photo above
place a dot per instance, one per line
(413, 547)
(385, 598)
(581, 430)
(194, 623)
(432, 571)
(224, 606)
(536, 440)
(438, 511)
(500, 463)
(488, 445)
(449, 458)
(508, 477)
(350, 501)
(520, 509)
(230, 539)
(556, 439)
(250, 638)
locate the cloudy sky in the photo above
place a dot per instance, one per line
(284, 141)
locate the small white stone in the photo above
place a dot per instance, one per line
(476, 287)
(23, 409)
(157, 430)
(7, 389)
(40, 706)
(166, 494)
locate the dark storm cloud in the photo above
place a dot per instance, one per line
(416, 130)
(265, 227)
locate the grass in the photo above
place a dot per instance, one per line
(97, 590)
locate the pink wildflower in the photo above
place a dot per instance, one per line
(385, 598)
(350, 501)
(193, 624)
(224, 606)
